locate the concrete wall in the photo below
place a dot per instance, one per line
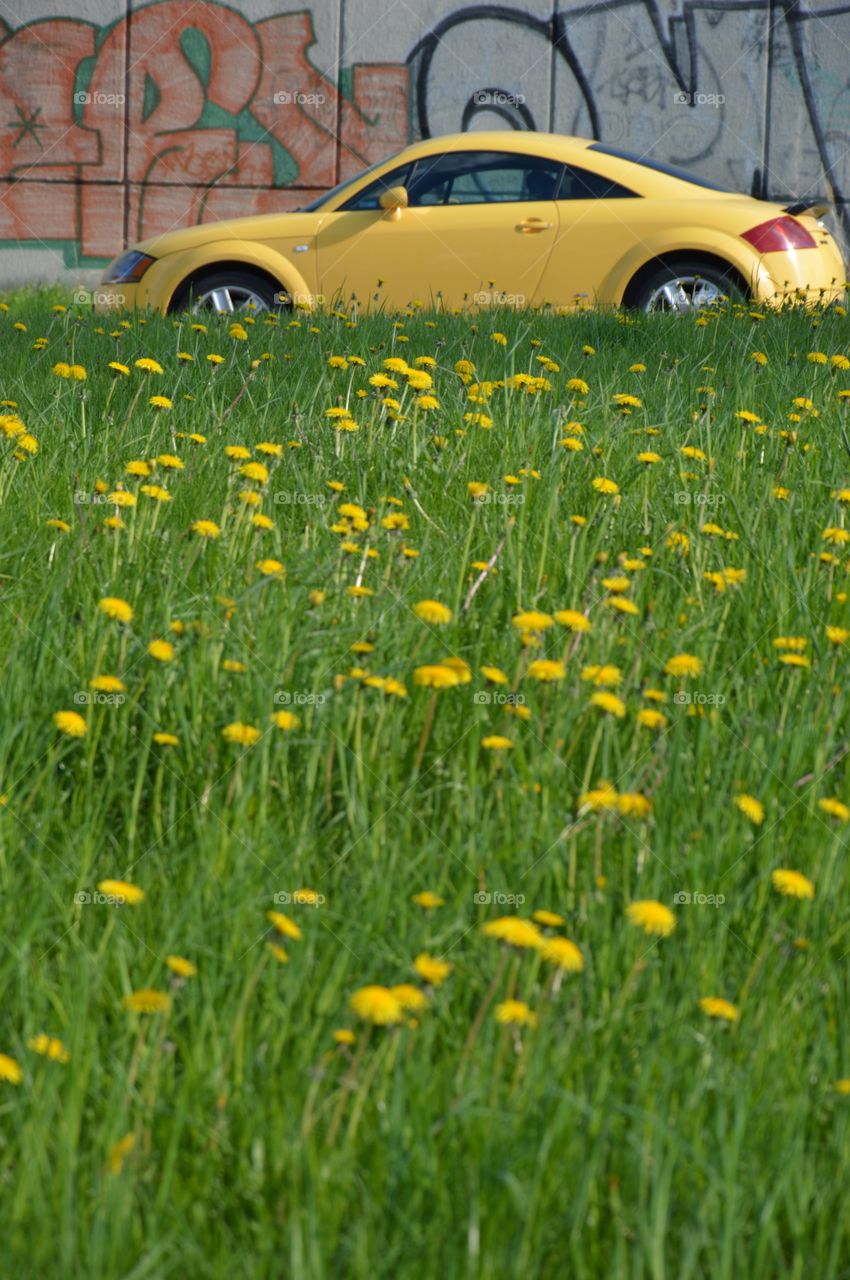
(119, 120)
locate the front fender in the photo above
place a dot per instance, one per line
(163, 279)
(693, 241)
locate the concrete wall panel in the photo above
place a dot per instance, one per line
(141, 117)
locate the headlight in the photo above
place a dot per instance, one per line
(127, 268)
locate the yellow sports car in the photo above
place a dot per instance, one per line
(479, 219)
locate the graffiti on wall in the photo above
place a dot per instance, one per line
(754, 94)
(177, 114)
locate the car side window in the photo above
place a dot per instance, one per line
(581, 184)
(370, 196)
(483, 177)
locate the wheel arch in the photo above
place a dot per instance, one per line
(273, 269)
(677, 257)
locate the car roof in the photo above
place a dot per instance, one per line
(524, 141)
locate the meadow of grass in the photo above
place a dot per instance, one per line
(485, 644)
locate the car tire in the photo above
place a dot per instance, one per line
(228, 292)
(684, 286)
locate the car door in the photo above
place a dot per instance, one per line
(478, 230)
(597, 225)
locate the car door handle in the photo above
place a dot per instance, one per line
(529, 225)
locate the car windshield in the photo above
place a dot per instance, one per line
(658, 165)
(323, 199)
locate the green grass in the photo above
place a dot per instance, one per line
(627, 1134)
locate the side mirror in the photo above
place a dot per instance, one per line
(393, 200)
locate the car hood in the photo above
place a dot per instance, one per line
(266, 226)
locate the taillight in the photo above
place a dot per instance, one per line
(778, 235)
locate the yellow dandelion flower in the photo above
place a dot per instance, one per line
(243, 735)
(631, 804)
(532, 620)
(515, 1013)
(649, 718)
(9, 1070)
(683, 664)
(546, 670)
(432, 970)
(107, 684)
(652, 916)
(436, 676)
(515, 931)
(410, 998)
(286, 720)
(563, 953)
(835, 809)
(603, 797)
(573, 620)
(793, 884)
(161, 650)
(604, 676)
(378, 1005)
(427, 900)
(432, 612)
(285, 927)
(116, 609)
(147, 1000)
(542, 916)
(129, 894)
(608, 702)
(717, 1007)
(621, 604)
(751, 808)
(70, 723)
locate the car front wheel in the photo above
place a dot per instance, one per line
(684, 287)
(229, 291)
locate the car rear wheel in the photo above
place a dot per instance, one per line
(683, 287)
(229, 291)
